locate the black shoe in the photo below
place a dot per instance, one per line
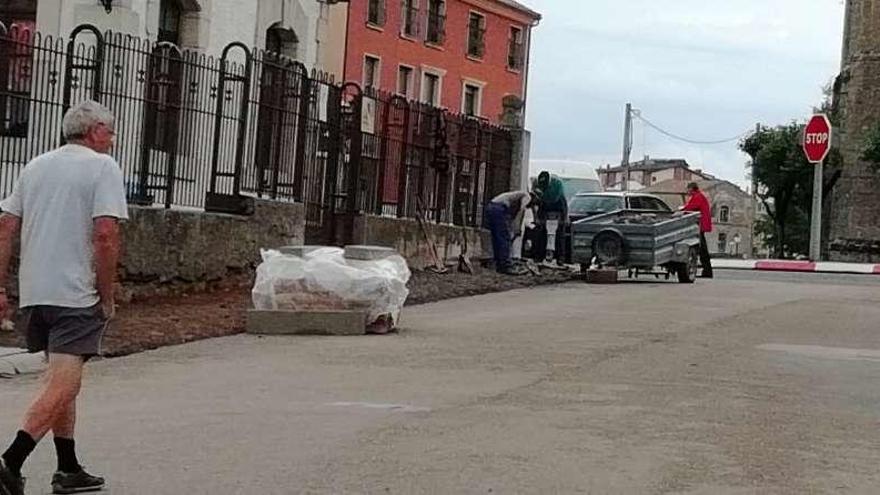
(10, 483)
(78, 482)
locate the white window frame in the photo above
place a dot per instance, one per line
(481, 86)
(418, 17)
(522, 43)
(467, 42)
(377, 73)
(412, 80)
(434, 71)
(724, 214)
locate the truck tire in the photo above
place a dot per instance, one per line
(687, 272)
(609, 248)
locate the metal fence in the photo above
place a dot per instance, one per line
(194, 129)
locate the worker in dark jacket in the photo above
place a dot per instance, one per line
(504, 217)
(697, 201)
(553, 200)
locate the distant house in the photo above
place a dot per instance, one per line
(733, 213)
(648, 172)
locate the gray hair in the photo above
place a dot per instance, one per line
(83, 117)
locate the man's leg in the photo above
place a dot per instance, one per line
(497, 220)
(62, 384)
(65, 447)
(705, 259)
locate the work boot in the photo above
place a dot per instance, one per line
(10, 483)
(78, 482)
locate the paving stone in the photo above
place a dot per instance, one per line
(298, 250)
(306, 322)
(368, 253)
(22, 363)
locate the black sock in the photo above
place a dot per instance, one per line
(66, 450)
(20, 449)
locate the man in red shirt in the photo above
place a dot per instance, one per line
(697, 201)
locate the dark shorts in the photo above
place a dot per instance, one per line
(57, 330)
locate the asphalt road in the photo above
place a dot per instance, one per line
(751, 383)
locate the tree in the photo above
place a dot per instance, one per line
(784, 181)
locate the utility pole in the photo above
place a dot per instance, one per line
(627, 145)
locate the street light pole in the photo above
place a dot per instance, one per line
(627, 146)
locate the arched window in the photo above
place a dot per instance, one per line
(724, 214)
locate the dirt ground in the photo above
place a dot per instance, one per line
(170, 320)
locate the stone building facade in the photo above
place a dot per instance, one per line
(854, 208)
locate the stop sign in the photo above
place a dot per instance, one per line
(817, 138)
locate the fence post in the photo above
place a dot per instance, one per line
(403, 171)
(441, 164)
(382, 164)
(334, 155)
(355, 151)
(97, 67)
(302, 127)
(215, 202)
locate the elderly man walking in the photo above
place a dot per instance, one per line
(65, 207)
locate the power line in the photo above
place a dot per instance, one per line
(687, 140)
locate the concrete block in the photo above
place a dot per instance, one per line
(368, 253)
(21, 363)
(604, 276)
(298, 250)
(306, 322)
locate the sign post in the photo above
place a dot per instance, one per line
(817, 144)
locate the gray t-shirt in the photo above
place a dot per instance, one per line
(57, 197)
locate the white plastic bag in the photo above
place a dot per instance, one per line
(325, 280)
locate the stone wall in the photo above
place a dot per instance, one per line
(854, 216)
(407, 238)
(178, 250)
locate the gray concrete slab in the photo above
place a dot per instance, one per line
(733, 386)
(263, 322)
(368, 253)
(15, 362)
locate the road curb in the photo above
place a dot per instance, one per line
(16, 362)
(797, 266)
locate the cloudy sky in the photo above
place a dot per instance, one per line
(703, 69)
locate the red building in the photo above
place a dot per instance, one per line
(463, 55)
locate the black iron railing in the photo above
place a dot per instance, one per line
(192, 128)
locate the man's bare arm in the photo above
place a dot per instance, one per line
(106, 245)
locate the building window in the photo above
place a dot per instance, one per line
(471, 100)
(169, 21)
(405, 81)
(16, 65)
(371, 71)
(436, 33)
(516, 49)
(376, 12)
(724, 214)
(476, 42)
(410, 18)
(722, 243)
(431, 88)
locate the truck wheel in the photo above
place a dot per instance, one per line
(608, 246)
(687, 272)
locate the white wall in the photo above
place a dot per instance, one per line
(218, 23)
